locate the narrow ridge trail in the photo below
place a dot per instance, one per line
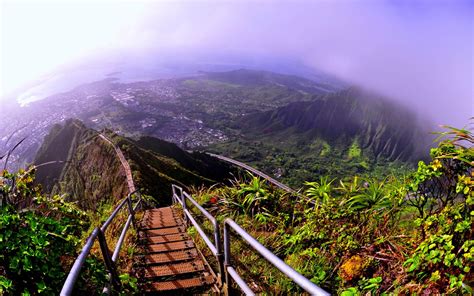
(125, 164)
(171, 262)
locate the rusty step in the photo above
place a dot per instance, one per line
(166, 247)
(173, 269)
(179, 284)
(167, 238)
(161, 224)
(173, 256)
(163, 209)
(164, 231)
(148, 219)
(160, 216)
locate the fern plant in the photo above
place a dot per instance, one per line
(320, 190)
(254, 196)
(372, 197)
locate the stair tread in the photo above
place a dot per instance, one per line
(173, 246)
(173, 256)
(179, 284)
(168, 238)
(171, 260)
(173, 269)
(161, 224)
(159, 211)
(164, 231)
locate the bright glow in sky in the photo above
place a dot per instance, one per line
(38, 36)
(417, 51)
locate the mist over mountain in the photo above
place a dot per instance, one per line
(219, 110)
(418, 53)
(315, 87)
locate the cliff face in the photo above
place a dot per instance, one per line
(382, 127)
(91, 172)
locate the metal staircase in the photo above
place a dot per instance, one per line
(172, 261)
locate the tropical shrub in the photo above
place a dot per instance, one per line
(373, 196)
(37, 242)
(320, 190)
(367, 235)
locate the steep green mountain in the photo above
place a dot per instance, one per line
(348, 132)
(90, 171)
(383, 127)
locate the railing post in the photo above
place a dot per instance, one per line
(140, 200)
(173, 192)
(108, 260)
(183, 202)
(226, 258)
(131, 211)
(219, 255)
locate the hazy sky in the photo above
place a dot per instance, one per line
(419, 52)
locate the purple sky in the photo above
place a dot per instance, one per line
(419, 52)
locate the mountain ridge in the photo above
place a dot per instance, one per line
(90, 170)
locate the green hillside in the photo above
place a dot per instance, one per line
(338, 134)
(394, 235)
(91, 172)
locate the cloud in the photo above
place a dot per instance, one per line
(418, 52)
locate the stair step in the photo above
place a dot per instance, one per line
(167, 238)
(162, 211)
(179, 284)
(173, 269)
(173, 256)
(164, 231)
(160, 215)
(171, 260)
(155, 224)
(174, 246)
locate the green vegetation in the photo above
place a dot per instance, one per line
(84, 157)
(405, 234)
(41, 236)
(354, 150)
(378, 233)
(292, 160)
(338, 134)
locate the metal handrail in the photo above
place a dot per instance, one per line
(255, 171)
(215, 248)
(299, 279)
(225, 266)
(264, 176)
(98, 233)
